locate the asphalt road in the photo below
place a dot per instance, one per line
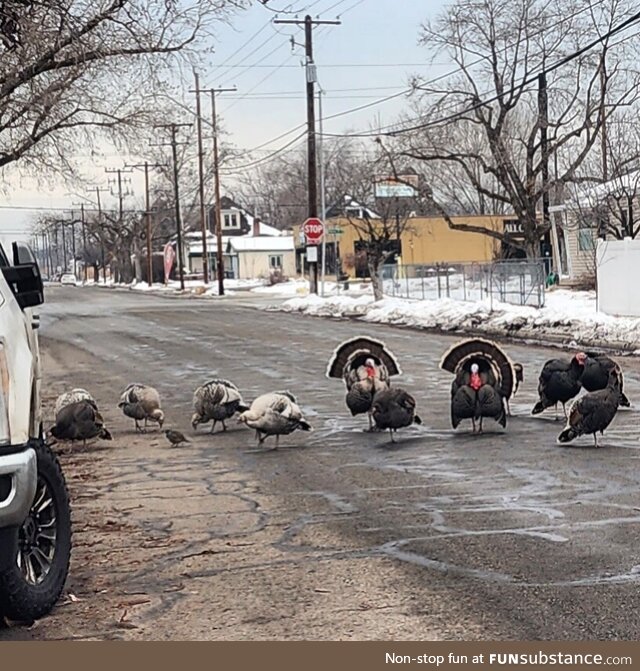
(339, 534)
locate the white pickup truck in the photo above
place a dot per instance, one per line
(35, 519)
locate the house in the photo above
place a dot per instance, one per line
(250, 248)
(425, 240)
(606, 211)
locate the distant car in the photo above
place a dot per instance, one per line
(69, 278)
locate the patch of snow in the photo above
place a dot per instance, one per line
(568, 315)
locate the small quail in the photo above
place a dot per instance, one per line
(175, 437)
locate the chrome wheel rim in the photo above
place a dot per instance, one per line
(37, 536)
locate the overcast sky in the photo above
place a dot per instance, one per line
(371, 55)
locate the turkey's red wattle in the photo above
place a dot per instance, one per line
(371, 371)
(475, 383)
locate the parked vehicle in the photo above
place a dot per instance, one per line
(35, 518)
(69, 278)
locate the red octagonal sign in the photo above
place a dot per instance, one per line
(313, 228)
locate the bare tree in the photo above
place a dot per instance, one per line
(71, 67)
(515, 59)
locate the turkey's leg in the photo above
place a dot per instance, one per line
(564, 409)
(277, 441)
(473, 422)
(213, 426)
(480, 429)
(391, 434)
(595, 439)
(224, 426)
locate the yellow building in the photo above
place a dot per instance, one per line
(425, 240)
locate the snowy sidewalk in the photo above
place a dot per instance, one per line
(569, 317)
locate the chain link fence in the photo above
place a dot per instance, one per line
(514, 281)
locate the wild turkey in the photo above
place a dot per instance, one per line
(595, 375)
(560, 381)
(72, 396)
(141, 402)
(216, 401)
(79, 421)
(366, 366)
(594, 411)
(393, 409)
(485, 378)
(274, 414)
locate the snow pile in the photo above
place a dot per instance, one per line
(568, 316)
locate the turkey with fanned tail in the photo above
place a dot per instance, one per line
(216, 401)
(594, 411)
(485, 378)
(393, 409)
(274, 414)
(366, 366)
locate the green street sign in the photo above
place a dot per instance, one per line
(335, 231)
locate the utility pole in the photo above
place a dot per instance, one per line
(203, 221)
(322, 193)
(73, 241)
(551, 234)
(84, 240)
(64, 249)
(216, 168)
(312, 186)
(147, 213)
(100, 227)
(173, 127)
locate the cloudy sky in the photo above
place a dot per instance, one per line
(370, 56)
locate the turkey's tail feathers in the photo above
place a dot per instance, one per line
(567, 435)
(417, 419)
(243, 407)
(466, 350)
(368, 347)
(624, 401)
(105, 434)
(304, 425)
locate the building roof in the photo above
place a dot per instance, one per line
(248, 243)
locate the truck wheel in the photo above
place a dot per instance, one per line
(34, 558)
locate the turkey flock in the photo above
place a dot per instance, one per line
(485, 379)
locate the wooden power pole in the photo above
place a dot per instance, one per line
(312, 181)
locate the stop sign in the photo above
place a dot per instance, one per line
(313, 228)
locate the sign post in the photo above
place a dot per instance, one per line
(313, 229)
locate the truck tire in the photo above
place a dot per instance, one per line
(34, 558)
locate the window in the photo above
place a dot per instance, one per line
(585, 237)
(231, 221)
(275, 261)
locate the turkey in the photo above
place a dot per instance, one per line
(559, 382)
(595, 375)
(274, 414)
(141, 402)
(72, 396)
(216, 401)
(393, 409)
(366, 366)
(593, 412)
(485, 378)
(79, 421)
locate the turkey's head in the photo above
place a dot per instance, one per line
(371, 368)
(581, 358)
(196, 419)
(158, 416)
